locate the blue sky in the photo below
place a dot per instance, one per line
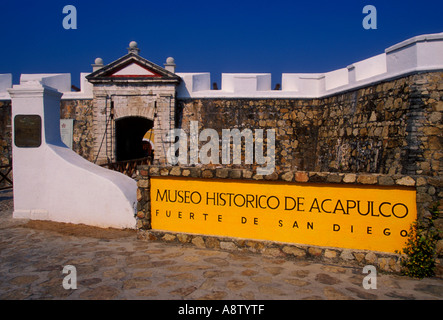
(207, 36)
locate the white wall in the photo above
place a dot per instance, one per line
(52, 182)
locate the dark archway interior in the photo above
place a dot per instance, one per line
(129, 138)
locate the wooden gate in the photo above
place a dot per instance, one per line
(5, 182)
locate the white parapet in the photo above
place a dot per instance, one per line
(193, 82)
(85, 89)
(337, 78)
(246, 82)
(308, 84)
(62, 83)
(371, 67)
(59, 81)
(421, 53)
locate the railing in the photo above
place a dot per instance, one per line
(127, 167)
(4, 172)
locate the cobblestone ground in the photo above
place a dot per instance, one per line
(113, 264)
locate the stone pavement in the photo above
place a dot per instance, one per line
(113, 264)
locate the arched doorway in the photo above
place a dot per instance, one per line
(129, 134)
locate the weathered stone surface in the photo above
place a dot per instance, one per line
(347, 255)
(301, 176)
(175, 171)
(227, 245)
(198, 241)
(147, 293)
(349, 178)
(315, 251)
(126, 268)
(386, 181)
(136, 283)
(207, 174)
(297, 282)
(184, 291)
(184, 238)
(434, 290)
(367, 179)
(143, 183)
(221, 173)
(330, 254)
(217, 261)
(362, 294)
(24, 280)
(215, 295)
(288, 176)
(334, 178)
(333, 294)
(371, 258)
(406, 181)
(235, 284)
(273, 270)
(100, 293)
(359, 256)
(270, 290)
(169, 237)
(326, 279)
(235, 174)
(297, 252)
(273, 252)
(212, 242)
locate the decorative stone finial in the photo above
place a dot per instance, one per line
(98, 64)
(170, 64)
(133, 47)
(98, 61)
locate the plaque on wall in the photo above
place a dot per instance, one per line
(27, 131)
(66, 131)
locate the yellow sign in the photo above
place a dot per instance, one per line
(355, 217)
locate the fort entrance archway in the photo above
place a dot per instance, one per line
(131, 96)
(129, 132)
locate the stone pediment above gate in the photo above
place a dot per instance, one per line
(132, 68)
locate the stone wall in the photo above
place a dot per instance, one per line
(83, 139)
(154, 102)
(5, 139)
(429, 191)
(5, 133)
(393, 127)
